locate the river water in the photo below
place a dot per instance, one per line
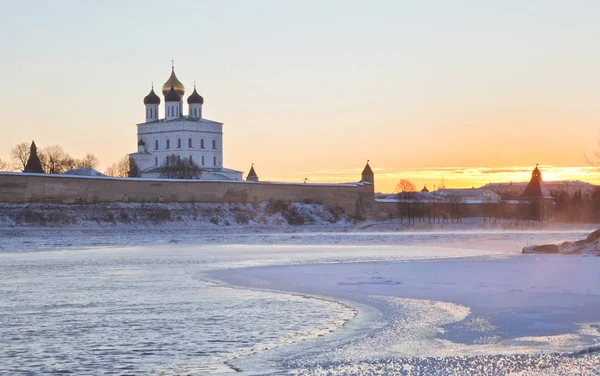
(152, 310)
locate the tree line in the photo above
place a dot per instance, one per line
(55, 160)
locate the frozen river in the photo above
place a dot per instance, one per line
(370, 304)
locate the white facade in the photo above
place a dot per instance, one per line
(190, 137)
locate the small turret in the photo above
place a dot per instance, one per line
(33, 163)
(367, 175)
(425, 188)
(252, 174)
(172, 104)
(536, 189)
(151, 101)
(195, 102)
(141, 146)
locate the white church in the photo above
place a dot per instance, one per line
(186, 136)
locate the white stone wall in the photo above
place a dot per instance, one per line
(195, 110)
(172, 110)
(165, 135)
(151, 112)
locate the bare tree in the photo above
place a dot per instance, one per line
(88, 161)
(55, 160)
(134, 170)
(595, 160)
(404, 185)
(20, 154)
(177, 168)
(120, 168)
(3, 165)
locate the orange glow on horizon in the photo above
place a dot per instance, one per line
(453, 177)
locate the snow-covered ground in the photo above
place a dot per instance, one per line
(491, 311)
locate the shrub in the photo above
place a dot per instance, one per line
(274, 207)
(32, 217)
(294, 217)
(241, 217)
(159, 215)
(336, 214)
(110, 217)
(58, 218)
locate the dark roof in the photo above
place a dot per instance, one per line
(367, 170)
(141, 142)
(424, 189)
(151, 98)
(195, 98)
(33, 164)
(252, 174)
(172, 96)
(536, 187)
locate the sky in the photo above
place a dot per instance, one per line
(465, 91)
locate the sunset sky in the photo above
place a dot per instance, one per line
(468, 91)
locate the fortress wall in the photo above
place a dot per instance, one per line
(355, 199)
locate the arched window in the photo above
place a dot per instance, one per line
(156, 161)
(195, 112)
(214, 161)
(202, 160)
(168, 144)
(191, 160)
(155, 144)
(179, 143)
(202, 144)
(215, 144)
(189, 142)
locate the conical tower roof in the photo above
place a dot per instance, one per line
(34, 165)
(252, 176)
(536, 188)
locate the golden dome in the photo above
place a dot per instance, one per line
(173, 81)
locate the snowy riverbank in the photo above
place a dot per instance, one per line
(31, 227)
(496, 314)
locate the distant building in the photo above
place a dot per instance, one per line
(425, 189)
(33, 164)
(83, 172)
(188, 136)
(470, 195)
